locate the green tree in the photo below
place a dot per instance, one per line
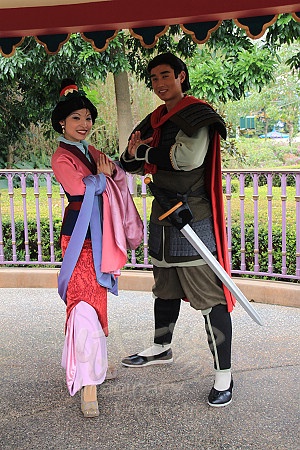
(277, 101)
(218, 77)
(30, 82)
(284, 31)
(285, 93)
(30, 79)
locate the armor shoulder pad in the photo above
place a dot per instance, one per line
(196, 116)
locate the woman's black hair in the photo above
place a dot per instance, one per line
(177, 65)
(71, 99)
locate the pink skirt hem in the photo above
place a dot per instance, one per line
(84, 354)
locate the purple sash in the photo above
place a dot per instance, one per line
(89, 214)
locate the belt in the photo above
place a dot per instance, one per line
(183, 197)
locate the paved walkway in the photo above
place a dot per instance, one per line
(154, 407)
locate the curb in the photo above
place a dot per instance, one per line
(259, 291)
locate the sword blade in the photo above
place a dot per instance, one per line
(221, 273)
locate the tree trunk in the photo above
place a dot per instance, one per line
(124, 114)
(10, 156)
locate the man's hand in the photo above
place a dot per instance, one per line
(135, 141)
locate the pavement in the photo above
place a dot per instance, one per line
(158, 407)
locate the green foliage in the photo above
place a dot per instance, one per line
(218, 76)
(231, 39)
(284, 31)
(278, 101)
(227, 67)
(139, 255)
(236, 242)
(30, 82)
(261, 153)
(249, 249)
(32, 240)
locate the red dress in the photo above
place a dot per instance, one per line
(83, 285)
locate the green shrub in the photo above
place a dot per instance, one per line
(263, 248)
(235, 255)
(261, 152)
(32, 240)
(234, 187)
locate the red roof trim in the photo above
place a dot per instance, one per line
(117, 14)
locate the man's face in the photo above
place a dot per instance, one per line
(164, 83)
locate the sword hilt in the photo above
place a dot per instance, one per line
(168, 213)
(179, 215)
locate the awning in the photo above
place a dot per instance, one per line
(51, 22)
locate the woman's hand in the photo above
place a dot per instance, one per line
(135, 141)
(105, 165)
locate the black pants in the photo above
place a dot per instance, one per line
(217, 325)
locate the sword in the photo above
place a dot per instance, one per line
(180, 215)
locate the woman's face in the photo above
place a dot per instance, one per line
(77, 125)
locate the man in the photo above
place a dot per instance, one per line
(179, 144)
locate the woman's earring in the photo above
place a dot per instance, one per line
(63, 129)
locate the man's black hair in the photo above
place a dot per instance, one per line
(177, 65)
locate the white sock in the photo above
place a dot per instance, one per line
(222, 379)
(156, 349)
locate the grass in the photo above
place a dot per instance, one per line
(33, 203)
(263, 206)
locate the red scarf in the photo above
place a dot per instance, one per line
(159, 116)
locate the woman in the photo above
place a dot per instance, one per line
(99, 224)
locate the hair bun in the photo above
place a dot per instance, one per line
(66, 82)
(67, 85)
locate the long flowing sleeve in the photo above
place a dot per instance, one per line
(122, 225)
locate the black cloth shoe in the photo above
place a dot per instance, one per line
(141, 361)
(220, 398)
